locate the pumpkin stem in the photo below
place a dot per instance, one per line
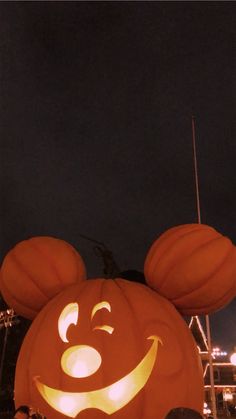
(110, 267)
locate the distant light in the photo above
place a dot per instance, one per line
(233, 359)
(206, 409)
(228, 396)
(218, 352)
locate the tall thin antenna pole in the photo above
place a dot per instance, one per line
(3, 355)
(196, 171)
(213, 398)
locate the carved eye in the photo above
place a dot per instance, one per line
(100, 306)
(68, 316)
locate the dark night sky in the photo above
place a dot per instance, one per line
(96, 106)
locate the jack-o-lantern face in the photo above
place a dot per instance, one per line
(94, 351)
(81, 361)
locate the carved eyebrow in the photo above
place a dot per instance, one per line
(106, 328)
(100, 306)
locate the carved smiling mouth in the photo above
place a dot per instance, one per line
(107, 399)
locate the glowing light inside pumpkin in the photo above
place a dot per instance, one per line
(108, 399)
(68, 316)
(99, 306)
(105, 327)
(80, 361)
(117, 391)
(67, 404)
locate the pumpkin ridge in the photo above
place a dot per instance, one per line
(33, 345)
(12, 296)
(203, 284)
(104, 377)
(120, 282)
(182, 236)
(196, 228)
(18, 262)
(209, 308)
(36, 247)
(18, 300)
(165, 237)
(183, 230)
(212, 273)
(135, 318)
(222, 298)
(176, 262)
(29, 378)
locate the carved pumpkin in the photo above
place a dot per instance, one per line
(35, 270)
(194, 266)
(109, 347)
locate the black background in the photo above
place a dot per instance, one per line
(96, 107)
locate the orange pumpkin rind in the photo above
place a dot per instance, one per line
(193, 266)
(36, 270)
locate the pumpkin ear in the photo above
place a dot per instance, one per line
(194, 267)
(37, 269)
